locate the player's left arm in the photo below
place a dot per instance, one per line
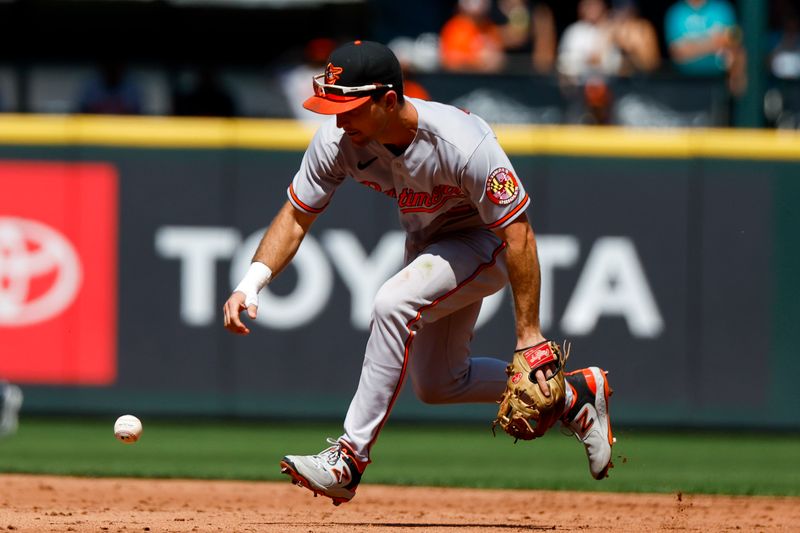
(489, 179)
(524, 276)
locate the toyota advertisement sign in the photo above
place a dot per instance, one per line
(114, 269)
(58, 273)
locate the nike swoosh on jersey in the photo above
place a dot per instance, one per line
(365, 164)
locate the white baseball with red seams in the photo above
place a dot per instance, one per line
(128, 429)
(453, 185)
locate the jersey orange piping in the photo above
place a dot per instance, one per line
(522, 204)
(303, 206)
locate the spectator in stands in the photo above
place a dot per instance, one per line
(587, 48)
(784, 56)
(597, 101)
(205, 97)
(403, 48)
(635, 37)
(471, 41)
(529, 30)
(602, 44)
(413, 88)
(296, 79)
(704, 40)
(517, 24)
(111, 92)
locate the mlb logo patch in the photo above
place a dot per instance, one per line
(58, 272)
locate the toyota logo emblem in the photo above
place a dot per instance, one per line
(40, 272)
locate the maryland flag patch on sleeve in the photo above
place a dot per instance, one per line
(502, 187)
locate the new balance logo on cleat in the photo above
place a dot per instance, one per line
(333, 472)
(588, 418)
(584, 420)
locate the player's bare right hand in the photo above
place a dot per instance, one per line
(231, 310)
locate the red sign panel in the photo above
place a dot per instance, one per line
(58, 273)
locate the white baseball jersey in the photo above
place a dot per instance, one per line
(453, 176)
(452, 185)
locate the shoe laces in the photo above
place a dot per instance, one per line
(332, 454)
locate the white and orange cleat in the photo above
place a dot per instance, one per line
(333, 472)
(588, 417)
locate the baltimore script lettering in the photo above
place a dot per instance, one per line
(410, 200)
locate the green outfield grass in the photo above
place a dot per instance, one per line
(466, 456)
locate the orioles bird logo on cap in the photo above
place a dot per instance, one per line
(332, 74)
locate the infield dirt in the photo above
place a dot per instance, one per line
(47, 503)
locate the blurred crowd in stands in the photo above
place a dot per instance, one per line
(605, 42)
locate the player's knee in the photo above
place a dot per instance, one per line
(430, 391)
(388, 303)
(431, 396)
(382, 306)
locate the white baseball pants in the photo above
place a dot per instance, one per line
(422, 324)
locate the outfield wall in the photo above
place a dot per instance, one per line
(668, 257)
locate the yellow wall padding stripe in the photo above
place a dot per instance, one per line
(167, 132)
(651, 143)
(153, 132)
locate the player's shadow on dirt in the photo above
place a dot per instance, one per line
(459, 525)
(424, 526)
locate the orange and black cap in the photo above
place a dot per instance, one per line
(355, 71)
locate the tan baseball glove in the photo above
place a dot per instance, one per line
(525, 412)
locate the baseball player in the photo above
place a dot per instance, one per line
(462, 206)
(10, 403)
